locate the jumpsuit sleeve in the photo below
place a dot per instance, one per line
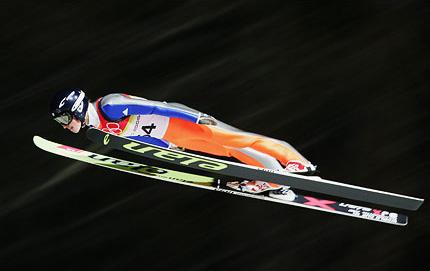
(119, 106)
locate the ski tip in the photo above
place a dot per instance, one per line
(36, 139)
(39, 141)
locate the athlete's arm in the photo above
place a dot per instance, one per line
(118, 106)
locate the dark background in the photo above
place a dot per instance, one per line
(345, 82)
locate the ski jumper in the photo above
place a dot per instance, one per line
(176, 125)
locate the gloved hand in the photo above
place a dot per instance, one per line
(206, 120)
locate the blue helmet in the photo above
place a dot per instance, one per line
(68, 104)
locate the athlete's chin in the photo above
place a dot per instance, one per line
(75, 130)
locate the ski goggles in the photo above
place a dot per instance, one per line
(64, 118)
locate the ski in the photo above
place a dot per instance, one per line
(248, 172)
(214, 184)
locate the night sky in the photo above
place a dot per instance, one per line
(345, 82)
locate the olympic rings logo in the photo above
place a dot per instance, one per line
(112, 128)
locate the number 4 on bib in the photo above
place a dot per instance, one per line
(148, 129)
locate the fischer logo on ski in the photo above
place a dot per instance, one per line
(367, 212)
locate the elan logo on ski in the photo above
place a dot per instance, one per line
(106, 139)
(165, 154)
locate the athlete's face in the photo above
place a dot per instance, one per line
(74, 126)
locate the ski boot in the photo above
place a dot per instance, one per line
(253, 187)
(297, 167)
(276, 191)
(283, 193)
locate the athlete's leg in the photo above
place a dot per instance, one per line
(199, 138)
(263, 144)
(247, 147)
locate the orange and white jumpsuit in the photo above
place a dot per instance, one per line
(176, 125)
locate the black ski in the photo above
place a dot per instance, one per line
(248, 172)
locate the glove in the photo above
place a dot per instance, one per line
(207, 120)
